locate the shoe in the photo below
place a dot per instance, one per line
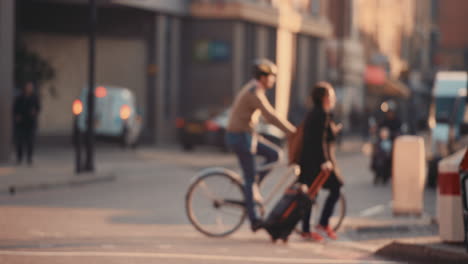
(327, 231)
(313, 236)
(256, 225)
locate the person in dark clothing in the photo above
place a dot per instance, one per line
(382, 157)
(318, 154)
(26, 110)
(393, 123)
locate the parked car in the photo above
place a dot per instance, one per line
(203, 129)
(116, 114)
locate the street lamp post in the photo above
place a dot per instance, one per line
(89, 163)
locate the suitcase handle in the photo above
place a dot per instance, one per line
(312, 192)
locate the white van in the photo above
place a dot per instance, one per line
(116, 114)
(449, 112)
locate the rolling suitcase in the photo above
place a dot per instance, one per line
(291, 207)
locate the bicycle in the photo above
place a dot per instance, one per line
(226, 197)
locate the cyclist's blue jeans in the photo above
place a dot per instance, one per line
(245, 148)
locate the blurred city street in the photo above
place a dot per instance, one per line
(124, 125)
(138, 215)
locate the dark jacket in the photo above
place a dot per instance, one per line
(26, 111)
(381, 158)
(317, 147)
(394, 125)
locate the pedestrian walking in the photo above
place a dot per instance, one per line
(26, 110)
(317, 155)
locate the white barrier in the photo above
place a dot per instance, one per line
(408, 175)
(449, 203)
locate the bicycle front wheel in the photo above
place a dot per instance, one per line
(339, 213)
(215, 204)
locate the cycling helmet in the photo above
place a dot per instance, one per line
(263, 67)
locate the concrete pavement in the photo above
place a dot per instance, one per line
(53, 168)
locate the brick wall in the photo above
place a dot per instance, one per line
(452, 52)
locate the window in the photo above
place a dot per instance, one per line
(315, 7)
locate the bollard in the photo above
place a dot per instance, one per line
(408, 175)
(464, 188)
(449, 199)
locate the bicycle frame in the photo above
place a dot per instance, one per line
(294, 169)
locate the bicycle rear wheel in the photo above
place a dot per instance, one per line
(215, 204)
(340, 213)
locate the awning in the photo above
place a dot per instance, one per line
(390, 88)
(375, 75)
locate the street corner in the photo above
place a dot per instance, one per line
(431, 250)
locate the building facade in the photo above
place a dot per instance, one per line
(450, 35)
(138, 47)
(346, 60)
(176, 56)
(380, 50)
(7, 18)
(291, 33)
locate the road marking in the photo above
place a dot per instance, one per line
(374, 210)
(184, 256)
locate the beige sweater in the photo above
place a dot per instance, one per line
(249, 104)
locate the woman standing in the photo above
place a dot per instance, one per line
(318, 154)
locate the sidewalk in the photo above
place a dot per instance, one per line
(408, 239)
(53, 168)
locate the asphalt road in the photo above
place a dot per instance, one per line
(140, 217)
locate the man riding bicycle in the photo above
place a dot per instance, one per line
(249, 104)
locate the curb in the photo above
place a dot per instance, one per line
(420, 253)
(75, 181)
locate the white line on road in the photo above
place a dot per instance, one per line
(183, 256)
(374, 210)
